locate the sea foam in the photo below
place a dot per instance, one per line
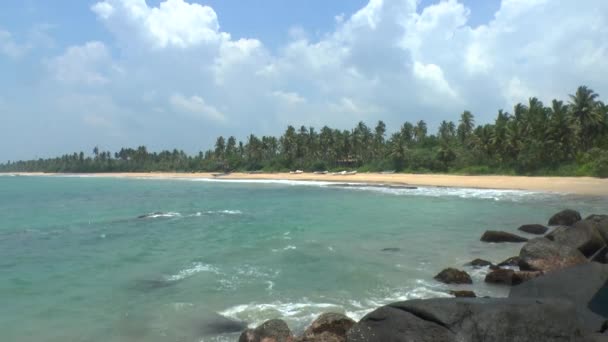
(196, 267)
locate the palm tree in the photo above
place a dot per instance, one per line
(466, 125)
(420, 131)
(585, 114)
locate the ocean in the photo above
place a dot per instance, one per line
(78, 262)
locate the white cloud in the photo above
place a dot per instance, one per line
(196, 105)
(290, 98)
(432, 75)
(83, 64)
(9, 47)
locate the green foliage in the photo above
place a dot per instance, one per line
(561, 139)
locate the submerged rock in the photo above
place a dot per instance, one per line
(463, 294)
(499, 236)
(600, 222)
(453, 276)
(217, 324)
(391, 249)
(329, 327)
(565, 217)
(582, 236)
(274, 330)
(537, 229)
(147, 285)
(471, 320)
(542, 254)
(479, 263)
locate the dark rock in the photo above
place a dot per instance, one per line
(147, 285)
(391, 249)
(566, 217)
(542, 254)
(275, 330)
(500, 276)
(463, 294)
(522, 276)
(218, 324)
(329, 327)
(512, 261)
(582, 236)
(584, 285)
(498, 236)
(453, 276)
(604, 328)
(156, 213)
(471, 320)
(479, 263)
(600, 256)
(538, 229)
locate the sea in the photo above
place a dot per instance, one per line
(122, 259)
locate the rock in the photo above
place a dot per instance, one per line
(463, 294)
(582, 236)
(498, 236)
(479, 263)
(453, 276)
(274, 330)
(217, 324)
(584, 285)
(512, 261)
(391, 249)
(537, 229)
(542, 254)
(604, 328)
(600, 222)
(154, 214)
(500, 276)
(566, 217)
(522, 276)
(329, 327)
(600, 256)
(471, 320)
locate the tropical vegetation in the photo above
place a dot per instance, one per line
(561, 138)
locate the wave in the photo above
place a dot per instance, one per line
(160, 214)
(196, 267)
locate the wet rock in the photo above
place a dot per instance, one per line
(479, 263)
(600, 222)
(218, 324)
(512, 261)
(471, 320)
(274, 330)
(462, 294)
(500, 276)
(453, 276)
(499, 236)
(566, 217)
(542, 254)
(600, 256)
(537, 229)
(522, 276)
(329, 327)
(582, 236)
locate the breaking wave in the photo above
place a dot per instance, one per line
(196, 267)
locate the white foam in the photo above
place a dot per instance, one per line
(168, 214)
(256, 313)
(196, 267)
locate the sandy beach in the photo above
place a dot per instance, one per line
(571, 185)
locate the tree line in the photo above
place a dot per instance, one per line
(562, 138)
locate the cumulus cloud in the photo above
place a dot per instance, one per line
(9, 47)
(389, 60)
(196, 105)
(82, 64)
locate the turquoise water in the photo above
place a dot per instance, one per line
(77, 264)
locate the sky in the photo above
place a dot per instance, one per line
(178, 73)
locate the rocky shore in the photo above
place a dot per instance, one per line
(559, 293)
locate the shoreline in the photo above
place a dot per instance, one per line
(588, 186)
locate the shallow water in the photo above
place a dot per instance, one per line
(78, 264)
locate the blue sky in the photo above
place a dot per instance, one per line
(177, 73)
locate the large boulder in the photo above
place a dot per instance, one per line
(329, 327)
(585, 285)
(600, 222)
(463, 294)
(600, 256)
(471, 320)
(582, 236)
(510, 277)
(499, 236)
(453, 276)
(544, 255)
(275, 330)
(537, 229)
(566, 217)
